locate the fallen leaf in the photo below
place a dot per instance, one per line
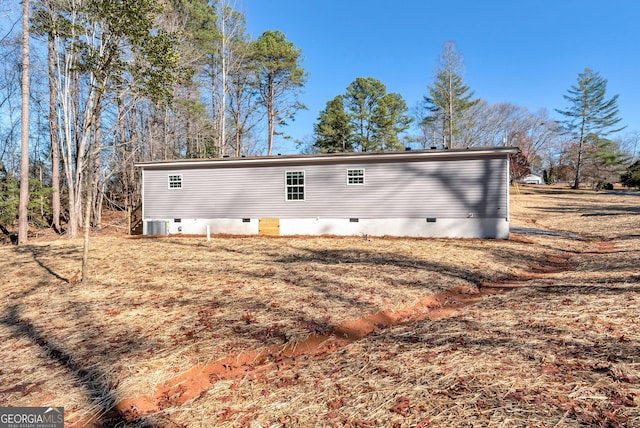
(401, 406)
(336, 403)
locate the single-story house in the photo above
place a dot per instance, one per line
(420, 193)
(532, 179)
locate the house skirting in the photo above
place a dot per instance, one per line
(495, 228)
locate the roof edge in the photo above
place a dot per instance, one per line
(325, 157)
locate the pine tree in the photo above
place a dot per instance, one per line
(449, 97)
(280, 79)
(9, 201)
(605, 161)
(589, 113)
(391, 118)
(377, 117)
(631, 177)
(333, 131)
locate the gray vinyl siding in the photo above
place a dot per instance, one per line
(446, 188)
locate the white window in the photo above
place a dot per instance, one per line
(294, 184)
(175, 182)
(355, 176)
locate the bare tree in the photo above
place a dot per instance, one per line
(225, 63)
(10, 76)
(74, 136)
(630, 143)
(45, 25)
(224, 46)
(53, 121)
(23, 220)
(243, 89)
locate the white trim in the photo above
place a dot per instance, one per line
(356, 176)
(508, 189)
(483, 228)
(287, 186)
(179, 181)
(142, 202)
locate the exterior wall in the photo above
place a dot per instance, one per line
(466, 194)
(231, 226)
(533, 179)
(451, 189)
(413, 227)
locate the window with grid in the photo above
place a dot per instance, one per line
(175, 182)
(294, 183)
(355, 176)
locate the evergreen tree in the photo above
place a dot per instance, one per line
(377, 117)
(604, 162)
(391, 119)
(38, 209)
(631, 177)
(334, 132)
(280, 78)
(449, 98)
(362, 97)
(589, 113)
(9, 200)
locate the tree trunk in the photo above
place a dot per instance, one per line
(23, 208)
(134, 149)
(223, 88)
(576, 182)
(238, 124)
(53, 126)
(125, 151)
(168, 133)
(450, 111)
(77, 140)
(91, 171)
(53, 132)
(87, 219)
(270, 114)
(96, 200)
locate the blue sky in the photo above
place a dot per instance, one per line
(528, 53)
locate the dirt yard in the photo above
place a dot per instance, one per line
(538, 331)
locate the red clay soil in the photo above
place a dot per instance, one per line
(552, 265)
(194, 382)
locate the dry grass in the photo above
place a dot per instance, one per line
(563, 349)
